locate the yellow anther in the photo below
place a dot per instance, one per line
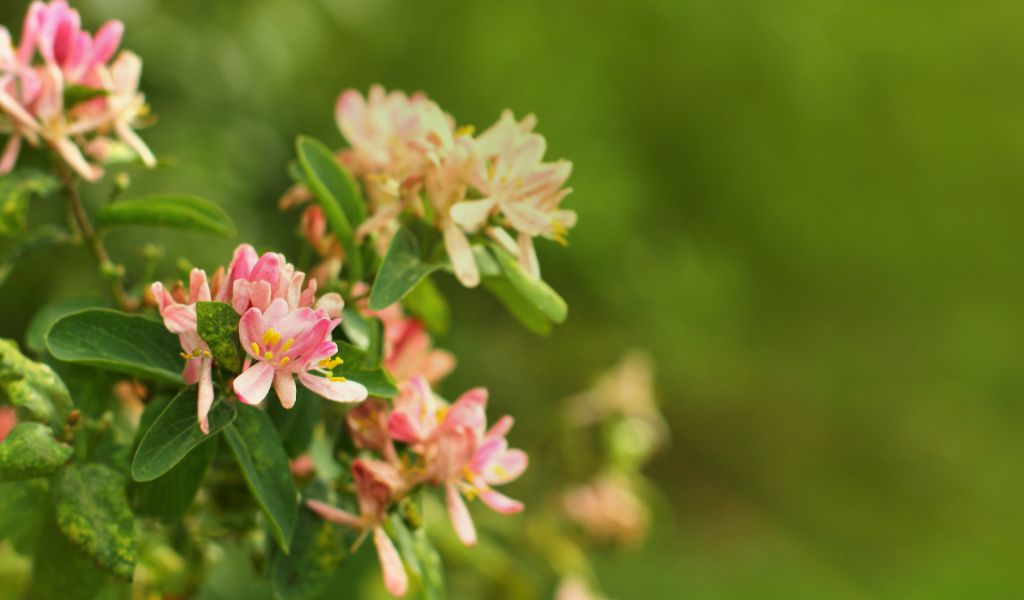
(185, 356)
(285, 360)
(269, 355)
(442, 413)
(465, 130)
(499, 470)
(330, 363)
(197, 352)
(338, 379)
(271, 337)
(287, 344)
(207, 354)
(467, 474)
(255, 348)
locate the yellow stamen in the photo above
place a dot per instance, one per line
(338, 379)
(185, 356)
(330, 363)
(285, 360)
(269, 355)
(271, 337)
(442, 413)
(207, 354)
(287, 344)
(255, 348)
(465, 130)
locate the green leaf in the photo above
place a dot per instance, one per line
(422, 562)
(318, 549)
(264, 465)
(337, 194)
(22, 505)
(176, 432)
(74, 94)
(356, 327)
(522, 309)
(177, 211)
(33, 388)
(61, 570)
(169, 496)
(218, 327)
(93, 513)
(532, 288)
(39, 239)
(376, 380)
(30, 450)
(427, 304)
(403, 268)
(295, 426)
(16, 189)
(117, 341)
(44, 318)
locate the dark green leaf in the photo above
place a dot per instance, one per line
(30, 450)
(16, 189)
(43, 237)
(61, 570)
(427, 303)
(93, 513)
(116, 341)
(376, 380)
(44, 318)
(422, 562)
(264, 465)
(74, 94)
(295, 425)
(403, 268)
(525, 311)
(22, 505)
(218, 326)
(177, 211)
(33, 387)
(337, 195)
(176, 432)
(532, 288)
(318, 549)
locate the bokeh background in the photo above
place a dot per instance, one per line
(808, 212)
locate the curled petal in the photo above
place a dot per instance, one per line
(205, 394)
(253, 385)
(471, 214)
(332, 304)
(338, 391)
(459, 515)
(507, 467)
(461, 255)
(334, 514)
(395, 578)
(500, 502)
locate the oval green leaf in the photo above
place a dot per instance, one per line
(218, 327)
(30, 450)
(117, 341)
(532, 288)
(264, 464)
(403, 268)
(356, 367)
(93, 514)
(176, 432)
(337, 195)
(177, 211)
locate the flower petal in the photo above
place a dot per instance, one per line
(284, 386)
(395, 578)
(334, 514)
(500, 502)
(461, 255)
(253, 385)
(459, 515)
(338, 391)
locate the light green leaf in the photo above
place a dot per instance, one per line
(93, 513)
(264, 465)
(74, 94)
(337, 195)
(177, 211)
(422, 562)
(403, 268)
(30, 450)
(376, 380)
(522, 309)
(16, 189)
(218, 327)
(427, 303)
(117, 341)
(531, 288)
(176, 432)
(33, 388)
(22, 504)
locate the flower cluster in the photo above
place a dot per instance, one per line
(65, 87)
(449, 445)
(410, 155)
(284, 330)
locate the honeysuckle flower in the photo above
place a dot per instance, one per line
(179, 316)
(458, 449)
(256, 281)
(368, 426)
(282, 344)
(608, 510)
(32, 95)
(377, 485)
(8, 419)
(575, 587)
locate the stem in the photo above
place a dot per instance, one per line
(93, 241)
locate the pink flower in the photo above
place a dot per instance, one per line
(368, 426)
(179, 315)
(458, 449)
(8, 419)
(377, 485)
(608, 510)
(256, 281)
(285, 344)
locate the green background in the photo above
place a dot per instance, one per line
(808, 211)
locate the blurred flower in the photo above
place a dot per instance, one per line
(368, 426)
(575, 587)
(302, 466)
(377, 485)
(33, 96)
(288, 343)
(608, 510)
(8, 419)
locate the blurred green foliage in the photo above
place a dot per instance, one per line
(809, 211)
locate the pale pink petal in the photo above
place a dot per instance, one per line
(334, 514)
(461, 255)
(107, 39)
(73, 156)
(284, 386)
(179, 318)
(459, 515)
(508, 467)
(205, 393)
(403, 428)
(10, 156)
(253, 385)
(472, 213)
(250, 329)
(338, 391)
(500, 502)
(395, 579)
(528, 256)
(128, 136)
(331, 303)
(501, 428)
